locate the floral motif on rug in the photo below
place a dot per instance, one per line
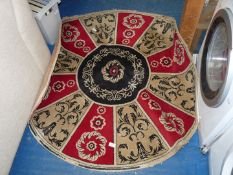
(121, 94)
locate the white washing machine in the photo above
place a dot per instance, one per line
(221, 155)
(215, 90)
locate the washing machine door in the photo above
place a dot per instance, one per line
(215, 76)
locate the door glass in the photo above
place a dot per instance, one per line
(217, 58)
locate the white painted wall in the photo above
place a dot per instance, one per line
(24, 57)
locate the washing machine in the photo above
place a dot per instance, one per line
(215, 90)
(221, 155)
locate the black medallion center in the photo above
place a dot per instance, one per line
(113, 74)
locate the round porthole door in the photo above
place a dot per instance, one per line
(216, 75)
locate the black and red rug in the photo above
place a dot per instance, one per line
(121, 94)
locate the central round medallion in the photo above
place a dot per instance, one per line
(113, 74)
(113, 71)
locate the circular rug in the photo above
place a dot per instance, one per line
(121, 93)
